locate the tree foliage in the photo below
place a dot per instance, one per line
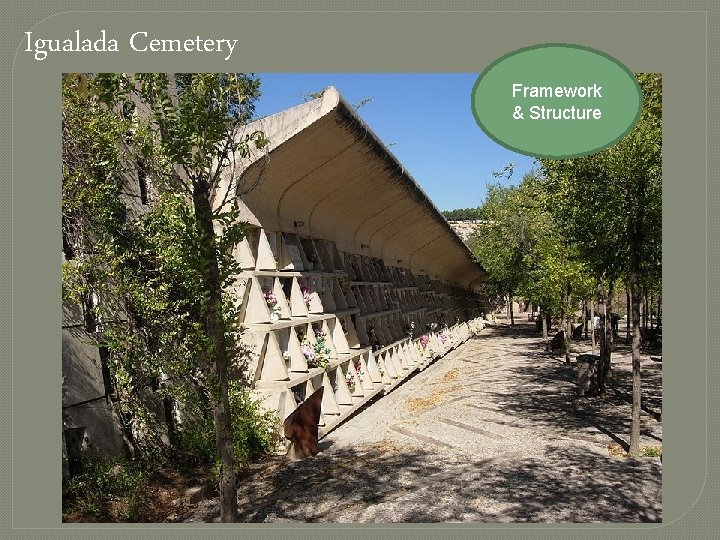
(594, 197)
(156, 279)
(462, 214)
(609, 205)
(504, 239)
(584, 221)
(557, 276)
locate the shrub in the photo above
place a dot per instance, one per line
(253, 429)
(108, 490)
(196, 443)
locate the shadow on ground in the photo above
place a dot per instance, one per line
(580, 487)
(545, 394)
(381, 485)
(384, 482)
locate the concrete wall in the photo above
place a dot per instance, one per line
(83, 393)
(327, 185)
(328, 179)
(326, 175)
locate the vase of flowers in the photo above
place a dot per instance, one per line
(308, 351)
(321, 350)
(354, 373)
(272, 304)
(307, 295)
(350, 381)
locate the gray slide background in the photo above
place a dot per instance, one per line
(678, 39)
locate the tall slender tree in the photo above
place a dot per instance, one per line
(502, 241)
(610, 203)
(183, 132)
(635, 163)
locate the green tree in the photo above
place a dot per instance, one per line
(557, 278)
(586, 208)
(525, 253)
(170, 269)
(461, 214)
(503, 240)
(609, 204)
(636, 164)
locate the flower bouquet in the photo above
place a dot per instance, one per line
(357, 367)
(350, 381)
(272, 303)
(307, 295)
(322, 351)
(308, 351)
(317, 354)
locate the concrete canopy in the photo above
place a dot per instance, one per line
(325, 174)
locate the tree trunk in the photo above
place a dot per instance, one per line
(635, 240)
(218, 361)
(642, 311)
(548, 323)
(602, 345)
(651, 311)
(608, 331)
(585, 317)
(627, 316)
(510, 310)
(592, 322)
(567, 344)
(223, 440)
(545, 325)
(568, 324)
(605, 338)
(636, 378)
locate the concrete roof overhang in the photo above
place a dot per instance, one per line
(326, 174)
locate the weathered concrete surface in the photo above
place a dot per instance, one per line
(329, 176)
(83, 390)
(493, 432)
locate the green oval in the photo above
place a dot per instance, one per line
(558, 88)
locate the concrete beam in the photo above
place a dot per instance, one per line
(326, 175)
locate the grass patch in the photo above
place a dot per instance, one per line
(436, 398)
(651, 451)
(418, 404)
(617, 450)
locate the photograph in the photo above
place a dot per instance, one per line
(346, 298)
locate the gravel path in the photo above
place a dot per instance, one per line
(492, 432)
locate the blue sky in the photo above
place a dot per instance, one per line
(426, 121)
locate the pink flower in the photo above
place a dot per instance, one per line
(306, 295)
(308, 351)
(270, 298)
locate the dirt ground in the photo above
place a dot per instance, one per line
(492, 432)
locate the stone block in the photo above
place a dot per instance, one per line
(587, 365)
